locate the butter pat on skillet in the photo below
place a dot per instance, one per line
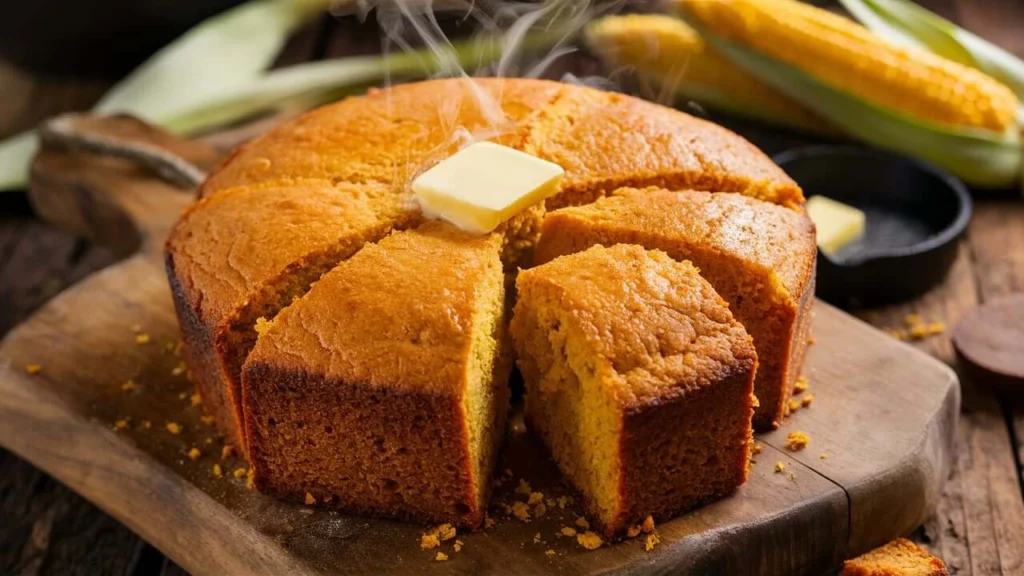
(838, 224)
(484, 184)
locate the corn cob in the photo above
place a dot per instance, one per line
(668, 53)
(848, 57)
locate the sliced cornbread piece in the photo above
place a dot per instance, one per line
(901, 557)
(759, 257)
(638, 379)
(606, 140)
(384, 390)
(245, 254)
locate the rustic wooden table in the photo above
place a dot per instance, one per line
(978, 527)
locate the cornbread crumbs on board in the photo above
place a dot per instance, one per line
(521, 511)
(756, 448)
(33, 369)
(241, 472)
(441, 557)
(262, 325)
(648, 525)
(429, 540)
(797, 440)
(217, 471)
(806, 400)
(174, 428)
(128, 386)
(250, 479)
(536, 538)
(563, 501)
(823, 456)
(445, 532)
(227, 451)
(589, 540)
(582, 523)
(458, 545)
(754, 402)
(142, 338)
(801, 385)
(633, 531)
(524, 488)
(912, 319)
(194, 454)
(182, 395)
(488, 522)
(178, 370)
(918, 332)
(121, 424)
(196, 399)
(568, 531)
(146, 424)
(780, 467)
(651, 541)
(540, 510)
(208, 441)
(208, 420)
(549, 552)
(535, 498)
(794, 405)
(936, 328)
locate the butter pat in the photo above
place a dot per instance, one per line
(837, 223)
(484, 184)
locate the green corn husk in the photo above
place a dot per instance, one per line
(907, 24)
(981, 158)
(218, 56)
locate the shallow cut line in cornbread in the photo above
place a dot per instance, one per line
(638, 379)
(759, 257)
(248, 252)
(383, 390)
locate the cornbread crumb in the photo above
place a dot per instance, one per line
(521, 511)
(174, 428)
(540, 510)
(142, 338)
(207, 419)
(489, 522)
(797, 440)
(562, 501)
(445, 532)
(936, 327)
(441, 557)
(582, 523)
(240, 472)
(128, 386)
(458, 545)
(250, 479)
(801, 385)
(549, 552)
(262, 325)
(310, 499)
(806, 400)
(912, 319)
(918, 332)
(429, 540)
(756, 448)
(121, 424)
(194, 454)
(178, 370)
(535, 498)
(648, 525)
(208, 441)
(651, 541)
(794, 405)
(536, 538)
(568, 531)
(633, 531)
(146, 424)
(900, 556)
(823, 456)
(196, 399)
(217, 471)
(227, 451)
(33, 369)
(523, 488)
(811, 339)
(792, 476)
(550, 502)
(589, 540)
(182, 395)
(779, 466)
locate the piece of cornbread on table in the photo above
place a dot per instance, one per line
(900, 557)
(638, 379)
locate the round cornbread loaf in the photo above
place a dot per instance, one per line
(294, 204)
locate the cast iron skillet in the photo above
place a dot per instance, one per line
(915, 215)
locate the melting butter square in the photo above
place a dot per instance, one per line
(837, 223)
(484, 184)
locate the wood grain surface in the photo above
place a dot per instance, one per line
(978, 528)
(881, 427)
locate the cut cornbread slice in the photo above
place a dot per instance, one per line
(383, 390)
(245, 254)
(638, 379)
(901, 557)
(759, 257)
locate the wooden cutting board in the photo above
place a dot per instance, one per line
(881, 428)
